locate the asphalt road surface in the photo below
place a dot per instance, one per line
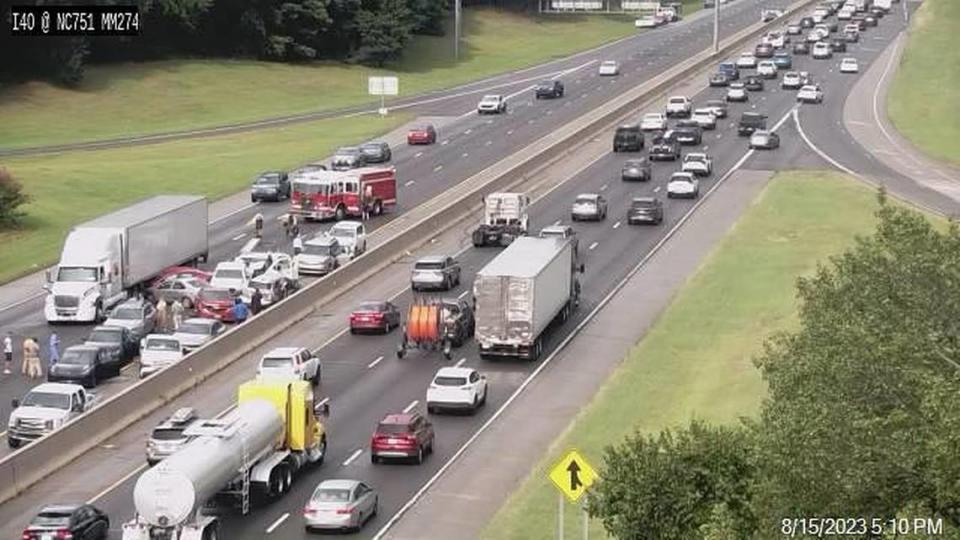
(467, 144)
(363, 378)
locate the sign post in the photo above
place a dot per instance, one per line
(383, 86)
(571, 475)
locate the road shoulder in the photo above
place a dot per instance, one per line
(467, 495)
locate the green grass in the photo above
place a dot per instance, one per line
(922, 102)
(138, 98)
(696, 360)
(72, 187)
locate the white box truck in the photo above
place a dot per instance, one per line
(521, 292)
(106, 258)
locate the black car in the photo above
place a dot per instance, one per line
(807, 22)
(645, 210)
(832, 26)
(628, 138)
(753, 84)
(118, 343)
(860, 22)
(719, 79)
(870, 20)
(877, 11)
(78, 521)
(750, 122)
(549, 89)
(376, 152)
(688, 132)
(838, 45)
(348, 157)
(270, 186)
(801, 48)
(636, 170)
(85, 365)
(665, 147)
(851, 37)
(763, 50)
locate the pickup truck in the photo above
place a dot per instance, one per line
(44, 409)
(750, 122)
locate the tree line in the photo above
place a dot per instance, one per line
(861, 418)
(368, 31)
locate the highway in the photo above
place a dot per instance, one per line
(467, 144)
(363, 378)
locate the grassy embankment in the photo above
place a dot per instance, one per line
(923, 99)
(696, 360)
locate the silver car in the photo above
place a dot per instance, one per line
(184, 289)
(135, 315)
(196, 332)
(589, 206)
(341, 505)
(435, 272)
(168, 436)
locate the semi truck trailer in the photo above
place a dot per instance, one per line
(251, 454)
(504, 219)
(524, 289)
(105, 259)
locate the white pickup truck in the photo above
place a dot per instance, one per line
(44, 409)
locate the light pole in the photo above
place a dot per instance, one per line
(456, 30)
(716, 26)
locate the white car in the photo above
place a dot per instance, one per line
(845, 15)
(647, 21)
(697, 163)
(158, 351)
(810, 93)
(705, 118)
(679, 106)
(813, 36)
(791, 81)
(653, 122)
(849, 65)
(747, 60)
(609, 68)
(196, 332)
(775, 39)
(231, 275)
(767, 69)
(590, 206)
(821, 50)
(260, 263)
(321, 255)
(736, 92)
(352, 236)
(456, 388)
(854, 28)
(493, 104)
(683, 184)
(290, 363)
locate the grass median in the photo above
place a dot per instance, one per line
(139, 98)
(69, 188)
(923, 99)
(695, 362)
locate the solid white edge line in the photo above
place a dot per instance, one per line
(410, 407)
(356, 453)
(563, 344)
(273, 526)
(460, 362)
(116, 484)
(23, 301)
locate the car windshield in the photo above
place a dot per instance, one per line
(609, 64)
(680, 178)
(217, 294)
(450, 381)
(633, 163)
(428, 265)
(77, 274)
(127, 313)
(343, 232)
(321, 249)
(639, 203)
(348, 151)
(51, 519)
(393, 428)
(163, 344)
(261, 285)
(105, 336)
(585, 200)
(490, 99)
(194, 328)
(78, 358)
(545, 84)
(47, 399)
(167, 434)
(371, 306)
(332, 495)
(268, 179)
(371, 147)
(716, 103)
(276, 362)
(228, 273)
(652, 116)
(677, 101)
(695, 157)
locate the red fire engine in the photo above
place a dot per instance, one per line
(339, 194)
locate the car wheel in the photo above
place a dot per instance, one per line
(475, 406)
(374, 459)
(419, 458)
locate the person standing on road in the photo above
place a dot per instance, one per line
(257, 223)
(240, 311)
(162, 315)
(7, 353)
(31, 358)
(256, 301)
(176, 311)
(53, 350)
(294, 225)
(297, 244)
(366, 200)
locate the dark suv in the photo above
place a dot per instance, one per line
(628, 138)
(750, 122)
(688, 132)
(402, 435)
(270, 186)
(549, 89)
(636, 170)
(665, 147)
(645, 210)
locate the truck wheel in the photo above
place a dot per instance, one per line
(212, 532)
(322, 451)
(13, 443)
(378, 205)
(477, 238)
(98, 314)
(340, 214)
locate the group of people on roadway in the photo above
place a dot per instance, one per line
(30, 364)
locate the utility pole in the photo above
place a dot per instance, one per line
(716, 26)
(456, 29)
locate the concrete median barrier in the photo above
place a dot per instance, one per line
(20, 470)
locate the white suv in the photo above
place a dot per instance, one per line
(457, 388)
(290, 363)
(679, 106)
(494, 104)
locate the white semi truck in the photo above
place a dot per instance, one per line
(251, 453)
(504, 219)
(103, 260)
(521, 292)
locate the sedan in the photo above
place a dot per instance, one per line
(697, 163)
(609, 68)
(704, 118)
(636, 170)
(172, 289)
(493, 104)
(376, 151)
(718, 107)
(801, 48)
(55, 521)
(719, 79)
(457, 388)
(653, 122)
(590, 206)
(117, 342)
(402, 435)
(767, 69)
(851, 37)
(184, 272)
(683, 184)
(736, 92)
(135, 315)
(423, 134)
(747, 60)
(753, 84)
(214, 303)
(340, 505)
(194, 333)
(763, 50)
(382, 316)
(810, 93)
(783, 60)
(764, 140)
(549, 89)
(838, 45)
(791, 81)
(849, 65)
(822, 51)
(83, 364)
(645, 210)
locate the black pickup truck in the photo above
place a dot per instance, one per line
(665, 147)
(750, 122)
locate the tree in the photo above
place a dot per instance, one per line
(384, 29)
(428, 16)
(676, 485)
(11, 198)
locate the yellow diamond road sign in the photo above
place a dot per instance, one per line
(572, 475)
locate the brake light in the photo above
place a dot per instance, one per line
(26, 535)
(308, 510)
(343, 510)
(63, 534)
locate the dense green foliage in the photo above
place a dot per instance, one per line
(861, 416)
(11, 198)
(285, 30)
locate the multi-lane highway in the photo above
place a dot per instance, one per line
(467, 144)
(364, 380)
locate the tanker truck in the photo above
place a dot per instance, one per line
(251, 453)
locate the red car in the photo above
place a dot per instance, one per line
(382, 316)
(425, 134)
(215, 304)
(183, 271)
(402, 435)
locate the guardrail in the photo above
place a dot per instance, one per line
(29, 465)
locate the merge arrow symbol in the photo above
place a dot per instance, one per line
(574, 469)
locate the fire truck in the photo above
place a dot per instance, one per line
(323, 194)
